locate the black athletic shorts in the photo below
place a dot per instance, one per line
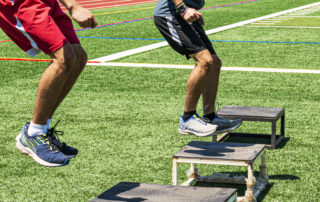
(183, 37)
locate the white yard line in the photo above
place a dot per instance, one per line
(130, 52)
(303, 16)
(171, 66)
(285, 17)
(272, 21)
(262, 23)
(295, 27)
(219, 29)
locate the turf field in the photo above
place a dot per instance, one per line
(124, 120)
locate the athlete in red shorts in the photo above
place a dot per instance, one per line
(40, 25)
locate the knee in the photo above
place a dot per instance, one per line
(216, 64)
(81, 56)
(64, 58)
(72, 58)
(205, 63)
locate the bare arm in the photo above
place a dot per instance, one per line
(190, 14)
(81, 15)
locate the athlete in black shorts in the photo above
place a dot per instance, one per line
(181, 25)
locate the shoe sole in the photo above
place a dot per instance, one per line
(228, 129)
(190, 132)
(29, 152)
(69, 156)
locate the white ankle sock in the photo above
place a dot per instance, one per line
(48, 123)
(36, 129)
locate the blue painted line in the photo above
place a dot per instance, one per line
(149, 18)
(285, 42)
(117, 23)
(226, 41)
(119, 38)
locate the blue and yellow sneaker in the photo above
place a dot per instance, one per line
(53, 134)
(41, 149)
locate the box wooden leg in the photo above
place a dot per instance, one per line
(282, 125)
(249, 195)
(263, 168)
(174, 171)
(274, 135)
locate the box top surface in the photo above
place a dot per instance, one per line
(251, 112)
(226, 151)
(129, 191)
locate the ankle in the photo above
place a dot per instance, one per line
(187, 115)
(36, 129)
(210, 116)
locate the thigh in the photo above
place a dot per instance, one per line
(64, 23)
(32, 26)
(9, 24)
(180, 35)
(204, 37)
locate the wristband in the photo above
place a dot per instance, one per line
(184, 12)
(181, 8)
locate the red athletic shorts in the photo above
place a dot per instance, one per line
(36, 25)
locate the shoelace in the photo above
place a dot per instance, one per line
(52, 136)
(202, 119)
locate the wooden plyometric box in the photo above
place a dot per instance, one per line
(228, 154)
(261, 114)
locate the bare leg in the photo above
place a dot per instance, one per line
(52, 82)
(210, 90)
(81, 60)
(197, 79)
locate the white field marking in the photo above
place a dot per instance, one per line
(130, 52)
(215, 30)
(272, 21)
(296, 27)
(303, 16)
(285, 17)
(119, 64)
(262, 23)
(306, 11)
(170, 66)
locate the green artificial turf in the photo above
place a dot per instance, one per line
(124, 120)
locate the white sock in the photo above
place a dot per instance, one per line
(48, 123)
(36, 129)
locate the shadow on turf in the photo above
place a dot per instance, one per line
(283, 142)
(284, 177)
(112, 193)
(241, 189)
(258, 140)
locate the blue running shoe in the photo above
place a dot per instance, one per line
(69, 151)
(41, 149)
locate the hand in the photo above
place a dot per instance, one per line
(83, 17)
(202, 20)
(191, 15)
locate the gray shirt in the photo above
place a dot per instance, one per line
(167, 8)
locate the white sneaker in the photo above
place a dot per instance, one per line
(196, 126)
